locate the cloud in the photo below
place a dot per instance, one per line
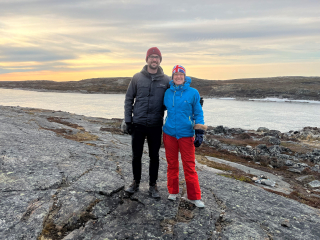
(31, 54)
(78, 34)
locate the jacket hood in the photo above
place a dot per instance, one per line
(182, 87)
(158, 74)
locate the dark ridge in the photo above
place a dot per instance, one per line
(292, 87)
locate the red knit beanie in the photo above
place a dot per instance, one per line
(153, 50)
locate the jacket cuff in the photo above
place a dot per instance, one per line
(200, 126)
(127, 119)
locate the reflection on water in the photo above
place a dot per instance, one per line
(281, 116)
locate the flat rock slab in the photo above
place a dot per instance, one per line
(102, 181)
(281, 186)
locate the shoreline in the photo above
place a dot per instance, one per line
(268, 99)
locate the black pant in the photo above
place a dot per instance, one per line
(153, 135)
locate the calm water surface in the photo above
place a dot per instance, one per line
(281, 116)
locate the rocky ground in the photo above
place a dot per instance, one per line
(62, 177)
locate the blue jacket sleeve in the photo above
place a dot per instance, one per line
(197, 109)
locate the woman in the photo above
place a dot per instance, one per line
(184, 119)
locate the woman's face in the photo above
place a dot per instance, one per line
(178, 78)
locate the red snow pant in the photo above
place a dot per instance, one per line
(187, 150)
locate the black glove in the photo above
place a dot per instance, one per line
(129, 128)
(201, 101)
(199, 137)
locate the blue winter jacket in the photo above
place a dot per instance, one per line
(184, 112)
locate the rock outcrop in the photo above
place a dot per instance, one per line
(270, 150)
(62, 177)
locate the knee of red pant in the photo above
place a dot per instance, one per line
(173, 167)
(191, 178)
(189, 171)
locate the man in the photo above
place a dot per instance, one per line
(144, 112)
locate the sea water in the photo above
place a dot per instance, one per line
(271, 113)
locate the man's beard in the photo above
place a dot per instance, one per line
(152, 67)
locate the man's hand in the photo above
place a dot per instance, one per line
(129, 128)
(198, 138)
(201, 101)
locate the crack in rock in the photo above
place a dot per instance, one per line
(53, 231)
(31, 208)
(221, 222)
(184, 215)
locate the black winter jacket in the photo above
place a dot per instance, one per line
(144, 98)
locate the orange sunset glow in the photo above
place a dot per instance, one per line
(70, 41)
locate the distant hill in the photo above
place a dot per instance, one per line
(282, 87)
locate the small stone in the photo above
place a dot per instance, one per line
(268, 182)
(314, 184)
(286, 223)
(305, 179)
(288, 163)
(296, 170)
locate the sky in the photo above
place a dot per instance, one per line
(71, 40)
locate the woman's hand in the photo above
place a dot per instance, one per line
(199, 137)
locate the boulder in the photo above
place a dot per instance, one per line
(263, 129)
(274, 150)
(214, 143)
(262, 149)
(273, 133)
(235, 130)
(219, 129)
(288, 163)
(244, 151)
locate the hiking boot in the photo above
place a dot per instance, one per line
(198, 203)
(173, 197)
(153, 191)
(134, 187)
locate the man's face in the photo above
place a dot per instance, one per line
(178, 78)
(153, 61)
